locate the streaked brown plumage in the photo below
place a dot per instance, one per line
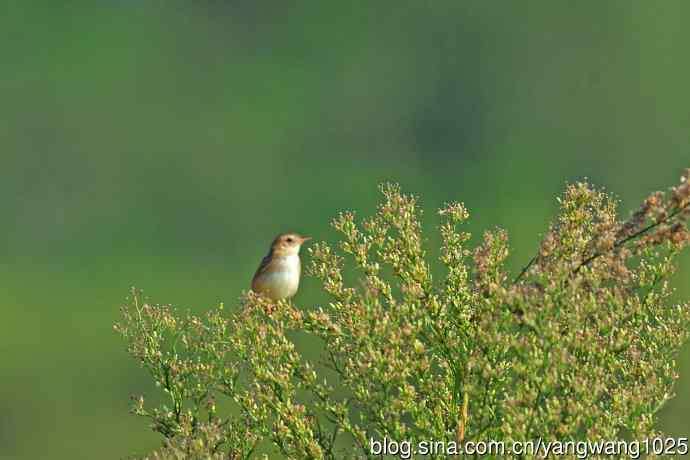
(279, 272)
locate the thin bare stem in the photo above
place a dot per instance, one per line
(637, 234)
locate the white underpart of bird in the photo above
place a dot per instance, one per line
(282, 282)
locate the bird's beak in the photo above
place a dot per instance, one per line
(305, 238)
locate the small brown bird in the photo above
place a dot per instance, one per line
(278, 275)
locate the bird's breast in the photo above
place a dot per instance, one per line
(281, 279)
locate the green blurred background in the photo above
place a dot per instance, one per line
(163, 144)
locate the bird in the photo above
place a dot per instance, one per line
(278, 274)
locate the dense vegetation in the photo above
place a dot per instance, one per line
(579, 345)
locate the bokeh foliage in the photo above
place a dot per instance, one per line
(165, 145)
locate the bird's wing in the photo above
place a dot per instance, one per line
(262, 268)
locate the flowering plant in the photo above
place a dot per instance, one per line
(579, 345)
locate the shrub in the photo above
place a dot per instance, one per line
(580, 345)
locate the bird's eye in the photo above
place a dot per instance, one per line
(289, 239)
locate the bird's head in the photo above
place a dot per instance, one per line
(288, 244)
